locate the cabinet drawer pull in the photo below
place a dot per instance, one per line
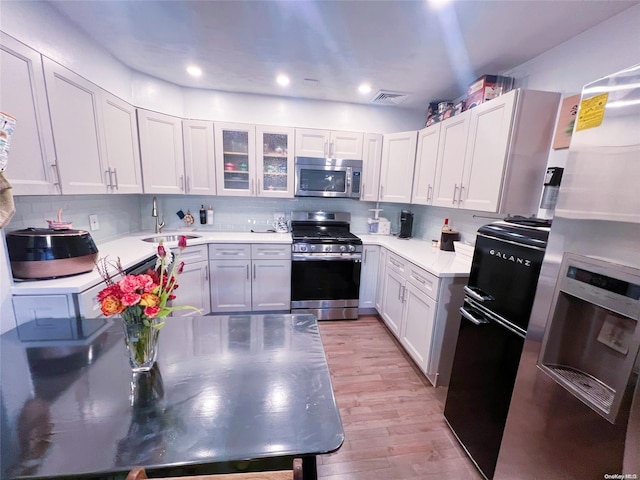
(182, 183)
(206, 272)
(455, 189)
(107, 178)
(404, 291)
(248, 272)
(326, 150)
(254, 271)
(460, 195)
(188, 187)
(229, 252)
(394, 263)
(419, 279)
(115, 174)
(429, 192)
(56, 174)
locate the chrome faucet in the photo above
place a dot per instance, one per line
(154, 213)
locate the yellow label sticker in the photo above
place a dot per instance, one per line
(591, 112)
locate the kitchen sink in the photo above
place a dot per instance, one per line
(167, 238)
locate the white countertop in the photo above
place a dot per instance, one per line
(422, 254)
(132, 250)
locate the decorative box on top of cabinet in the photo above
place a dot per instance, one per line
(493, 157)
(254, 160)
(32, 163)
(329, 144)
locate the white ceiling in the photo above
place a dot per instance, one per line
(400, 46)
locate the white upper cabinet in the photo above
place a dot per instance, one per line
(371, 161)
(425, 170)
(493, 157)
(254, 160)
(398, 159)
(235, 147)
(329, 144)
(199, 155)
(451, 149)
(32, 163)
(74, 105)
(161, 151)
(274, 161)
(120, 140)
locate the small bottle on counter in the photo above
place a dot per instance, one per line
(210, 215)
(203, 215)
(447, 237)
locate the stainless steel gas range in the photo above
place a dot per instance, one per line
(325, 265)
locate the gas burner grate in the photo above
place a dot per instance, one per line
(592, 389)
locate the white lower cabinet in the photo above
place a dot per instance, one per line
(194, 282)
(416, 333)
(247, 278)
(421, 311)
(369, 277)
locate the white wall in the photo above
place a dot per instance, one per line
(602, 50)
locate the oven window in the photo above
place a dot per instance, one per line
(323, 180)
(325, 280)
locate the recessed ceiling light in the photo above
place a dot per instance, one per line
(283, 80)
(438, 4)
(364, 88)
(194, 71)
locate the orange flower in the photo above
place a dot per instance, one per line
(111, 305)
(149, 300)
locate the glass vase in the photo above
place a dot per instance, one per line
(141, 341)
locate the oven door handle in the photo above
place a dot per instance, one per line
(477, 294)
(471, 318)
(303, 257)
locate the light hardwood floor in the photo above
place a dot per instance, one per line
(392, 415)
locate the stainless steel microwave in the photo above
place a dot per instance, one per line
(327, 177)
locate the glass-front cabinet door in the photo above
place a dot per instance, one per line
(274, 161)
(235, 159)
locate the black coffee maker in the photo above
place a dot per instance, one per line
(406, 224)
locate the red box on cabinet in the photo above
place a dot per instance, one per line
(487, 88)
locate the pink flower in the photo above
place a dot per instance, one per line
(151, 311)
(129, 284)
(146, 283)
(161, 251)
(129, 299)
(182, 242)
(111, 290)
(180, 268)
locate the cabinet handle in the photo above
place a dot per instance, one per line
(395, 264)
(331, 149)
(107, 178)
(182, 183)
(365, 256)
(254, 271)
(400, 293)
(421, 280)
(206, 272)
(115, 174)
(259, 187)
(188, 189)
(455, 189)
(381, 191)
(56, 174)
(404, 290)
(460, 196)
(326, 150)
(429, 192)
(248, 272)
(251, 190)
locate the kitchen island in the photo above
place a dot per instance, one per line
(227, 393)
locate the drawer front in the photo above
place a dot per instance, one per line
(229, 251)
(425, 281)
(397, 263)
(197, 253)
(270, 251)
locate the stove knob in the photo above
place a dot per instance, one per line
(343, 248)
(303, 248)
(327, 248)
(352, 248)
(313, 247)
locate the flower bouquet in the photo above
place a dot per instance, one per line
(143, 301)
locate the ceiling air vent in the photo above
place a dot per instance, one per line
(385, 97)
